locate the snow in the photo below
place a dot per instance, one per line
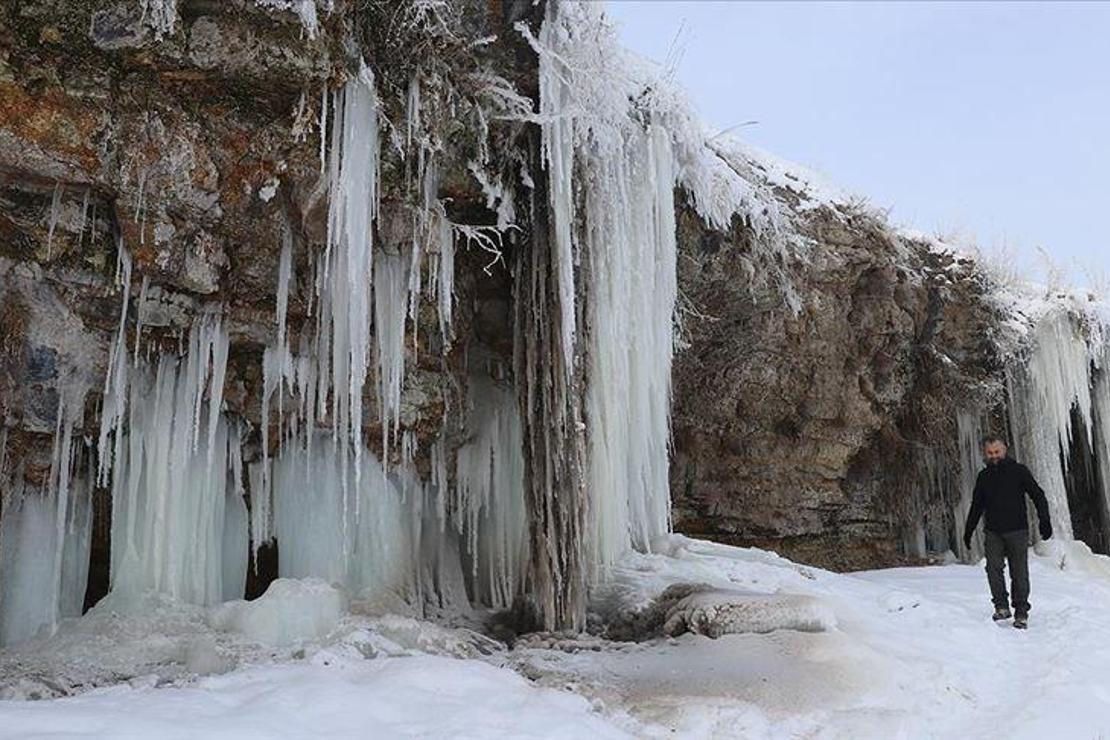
(423, 696)
(904, 652)
(914, 652)
(291, 611)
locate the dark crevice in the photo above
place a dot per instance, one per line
(1084, 486)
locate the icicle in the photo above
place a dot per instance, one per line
(970, 432)
(390, 298)
(84, 216)
(1100, 396)
(55, 211)
(234, 555)
(415, 259)
(633, 284)
(439, 481)
(139, 314)
(445, 278)
(345, 272)
(26, 532)
(412, 110)
(61, 466)
(558, 149)
(374, 558)
(114, 403)
(45, 534)
(1043, 394)
(285, 279)
(323, 128)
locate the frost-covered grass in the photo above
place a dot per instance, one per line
(912, 653)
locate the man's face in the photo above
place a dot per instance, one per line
(995, 452)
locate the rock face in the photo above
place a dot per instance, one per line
(812, 424)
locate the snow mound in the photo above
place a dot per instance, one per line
(1073, 555)
(290, 612)
(717, 612)
(120, 638)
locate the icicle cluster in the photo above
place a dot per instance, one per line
(489, 495)
(1043, 393)
(170, 484)
(970, 431)
(45, 534)
(623, 229)
(632, 261)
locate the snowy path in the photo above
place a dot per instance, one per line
(914, 655)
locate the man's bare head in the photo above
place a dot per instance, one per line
(994, 450)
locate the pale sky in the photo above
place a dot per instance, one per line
(990, 119)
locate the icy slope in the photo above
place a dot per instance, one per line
(913, 653)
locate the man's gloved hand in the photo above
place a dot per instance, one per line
(1046, 530)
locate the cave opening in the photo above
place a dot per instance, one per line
(1090, 519)
(100, 549)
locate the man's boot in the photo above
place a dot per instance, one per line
(1021, 621)
(1001, 613)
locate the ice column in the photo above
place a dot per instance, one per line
(489, 501)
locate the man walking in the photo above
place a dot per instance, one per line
(1000, 492)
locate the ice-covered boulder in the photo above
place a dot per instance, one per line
(291, 611)
(717, 612)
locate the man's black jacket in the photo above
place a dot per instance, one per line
(1000, 492)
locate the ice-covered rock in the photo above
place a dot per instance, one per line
(291, 611)
(717, 612)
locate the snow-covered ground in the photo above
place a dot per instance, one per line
(909, 652)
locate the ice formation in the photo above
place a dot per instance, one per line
(633, 290)
(160, 15)
(44, 541)
(170, 483)
(1043, 392)
(970, 431)
(717, 612)
(562, 467)
(291, 611)
(489, 497)
(627, 147)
